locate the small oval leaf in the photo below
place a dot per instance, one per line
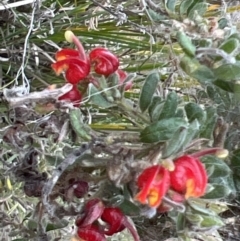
(203, 74)
(227, 72)
(194, 111)
(199, 8)
(186, 43)
(148, 90)
(174, 145)
(184, 6)
(162, 130)
(170, 5)
(98, 99)
(155, 108)
(170, 106)
(78, 126)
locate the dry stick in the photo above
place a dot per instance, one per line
(68, 161)
(35, 96)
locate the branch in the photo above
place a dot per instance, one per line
(10, 94)
(68, 161)
(16, 4)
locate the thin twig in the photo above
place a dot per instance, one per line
(16, 4)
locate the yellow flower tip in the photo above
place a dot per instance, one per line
(69, 36)
(223, 153)
(154, 199)
(190, 190)
(168, 164)
(59, 68)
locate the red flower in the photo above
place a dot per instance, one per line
(153, 183)
(93, 210)
(74, 62)
(104, 61)
(122, 77)
(117, 222)
(74, 95)
(68, 60)
(114, 218)
(189, 176)
(90, 233)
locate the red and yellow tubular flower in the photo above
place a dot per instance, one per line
(68, 60)
(189, 177)
(104, 61)
(153, 183)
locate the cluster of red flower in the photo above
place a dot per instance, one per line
(89, 228)
(77, 65)
(187, 179)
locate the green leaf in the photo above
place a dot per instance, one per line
(32, 224)
(219, 191)
(194, 111)
(174, 145)
(170, 106)
(221, 169)
(170, 5)
(212, 206)
(184, 6)
(180, 113)
(155, 108)
(181, 222)
(199, 209)
(129, 208)
(211, 221)
(235, 161)
(222, 23)
(194, 218)
(189, 65)
(112, 82)
(192, 131)
(154, 16)
(186, 43)
(224, 85)
(200, 8)
(203, 74)
(98, 99)
(53, 160)
(227, 72)
(148, 90)
(50, 226)
(78, 126)
(230, 45)
(162, 130)
(209, 124)
(214, 94)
